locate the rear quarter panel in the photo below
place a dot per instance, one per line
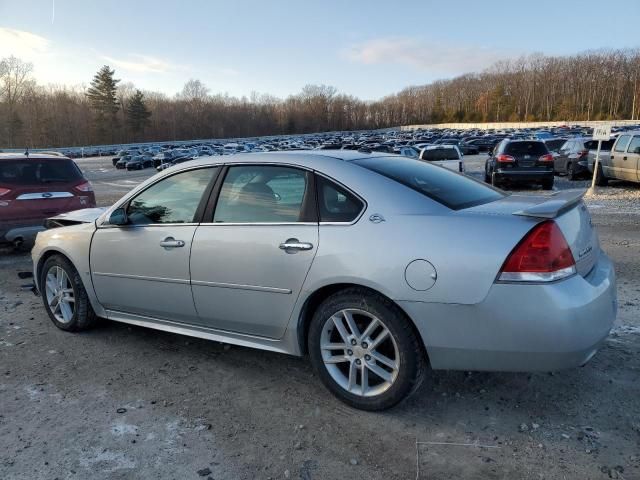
(467, 252)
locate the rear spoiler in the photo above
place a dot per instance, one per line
(555, 206)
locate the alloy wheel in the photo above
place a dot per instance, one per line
(59, 293)
(359, 352)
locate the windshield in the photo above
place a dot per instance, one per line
(451, 189)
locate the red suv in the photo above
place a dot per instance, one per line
(34, 187)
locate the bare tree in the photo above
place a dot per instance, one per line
(15, 81)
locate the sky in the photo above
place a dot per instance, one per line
(366, 48)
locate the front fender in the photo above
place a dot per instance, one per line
(74, 242)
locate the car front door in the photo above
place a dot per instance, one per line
(619, 156)
(630, 165)
(142, 267)
(249, 261)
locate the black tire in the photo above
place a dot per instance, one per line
(571, 172)
(487, 177)
(495, 182)
(547, 184)
(601, 179)
(83, 315)
(412, 358)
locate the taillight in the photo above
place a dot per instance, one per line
(502, 158)
(84, 187)
(4, 191)
(546, 158)
(543, 255)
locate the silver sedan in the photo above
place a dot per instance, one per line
(374, 265)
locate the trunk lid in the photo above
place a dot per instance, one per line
(568, 211)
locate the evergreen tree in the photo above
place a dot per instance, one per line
(137, 113)
(102, 96)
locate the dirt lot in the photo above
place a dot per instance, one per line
(124, 402)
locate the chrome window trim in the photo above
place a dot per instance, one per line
(259, 224)
(108, 225)
(44, 195)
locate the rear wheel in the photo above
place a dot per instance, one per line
(64, 296)
(365, 350)
(547, 184)
(571, 171)
(601, 179)
(494, 181)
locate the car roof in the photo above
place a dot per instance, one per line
(32, 156)
(293, 156)
(441, 147)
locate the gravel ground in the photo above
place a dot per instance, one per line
(123, 402)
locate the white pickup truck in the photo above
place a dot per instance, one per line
(449, 156)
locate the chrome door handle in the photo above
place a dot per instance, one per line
(171, 242)
(295, 244)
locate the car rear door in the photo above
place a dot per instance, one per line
(619, 157)
(142, 268)
(250, 259)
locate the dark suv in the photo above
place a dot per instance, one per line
(35, 187)
(573, 157)
(520, 162)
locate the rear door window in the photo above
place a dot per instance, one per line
(621, 144)
(451, 189)
(264, 194)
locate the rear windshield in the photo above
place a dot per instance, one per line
(438, 183)
(526, 148)
(34, 171)
(440, 154)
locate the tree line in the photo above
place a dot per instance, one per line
(598, 85)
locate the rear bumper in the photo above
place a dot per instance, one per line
(522, 327)
(523, 176)
(12, 233)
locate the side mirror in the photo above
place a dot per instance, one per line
(118, 217)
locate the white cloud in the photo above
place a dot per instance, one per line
(24, 45)
(141, 64)
(430, 56)
(231, 72)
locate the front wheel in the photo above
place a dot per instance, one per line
(365, 350)
(64, 296)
